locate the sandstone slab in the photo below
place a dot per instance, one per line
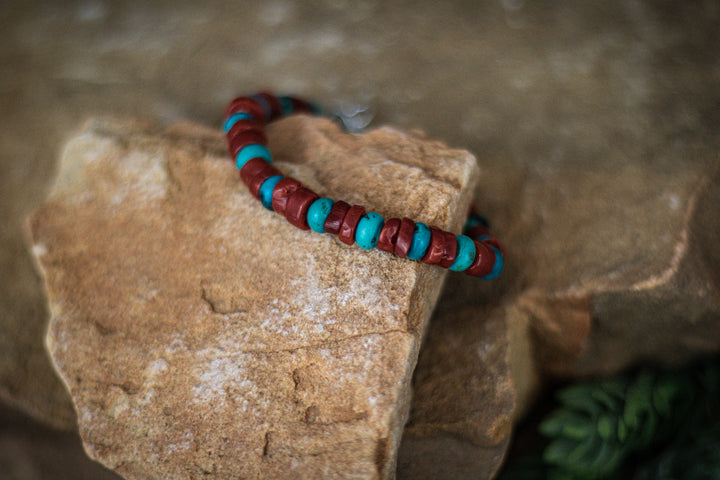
(619, 262)
(201, 335)
(463, 400)
(476, 375)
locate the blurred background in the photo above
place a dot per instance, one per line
(524, 85)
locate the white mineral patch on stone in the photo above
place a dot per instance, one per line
(221, 374)
(39, 250)
(185, 444)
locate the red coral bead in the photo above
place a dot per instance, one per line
(274, 103)
(496, 243)
(388, 235)
(241, 126)
(281, 193)
(255, 172)
(436, 249)
(298, 205)
(450, 251)
(247, 105)
(300, 106)
(349, 224)
(477, 231)
(244, 139)
(335, 217)
(251, 168)
(484, 260)
(404, 238)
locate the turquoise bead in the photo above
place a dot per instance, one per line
(465, 253)
(252, 151)
(497, 268)
(232, 119)
(420, 241)
(472, 221)
(266, 190)
(287, 105)
(368, 230)
(316, 109)
(318, 213)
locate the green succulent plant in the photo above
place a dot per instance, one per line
(668, 420)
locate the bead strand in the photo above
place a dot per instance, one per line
(476, 252)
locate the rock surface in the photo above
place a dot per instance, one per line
(538, 90)
(200, 334)
(476, 375)
(463, 400)
(624, 277)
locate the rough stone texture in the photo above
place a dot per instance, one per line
(201, 335)
(463, 402)
(626, 277)
(476, 375)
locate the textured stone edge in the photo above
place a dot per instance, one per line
(205, 144)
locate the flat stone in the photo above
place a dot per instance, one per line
(463, 401)
(200, 334)
(619, 261)
(475, 376)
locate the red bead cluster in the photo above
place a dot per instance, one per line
(255, 172)
(485, 259)
(293, 200)
(250, 131)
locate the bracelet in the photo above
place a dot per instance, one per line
(476, 252)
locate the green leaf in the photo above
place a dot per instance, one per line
(579, 397)
(606, 399)
(674, 394)
(638, 403)
(665, 393)
(567, 424)
(607, 427)
(584, 451)
(622, 431)
(557, 452)
(616, 387)
(607, 460)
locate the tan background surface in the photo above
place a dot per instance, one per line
(531, 88)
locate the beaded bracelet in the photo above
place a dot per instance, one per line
(477, 253)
